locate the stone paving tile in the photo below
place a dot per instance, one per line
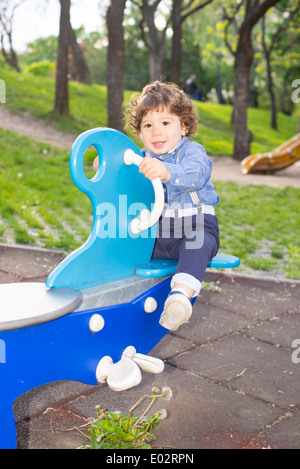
(199, 413)
(209, 322)
(253, 298)
(280, 331)
(285, 433)
(24, 264)
(249, 366)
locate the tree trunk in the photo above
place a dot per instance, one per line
(62, 95)
(269, 78)
(156, 43)
(271, 94)
(180, 13)
(156, 61)
(82, 73)
(243, 61)
(115, 64)
(176, 42)
(10, 57)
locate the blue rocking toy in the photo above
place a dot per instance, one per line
(97, 317)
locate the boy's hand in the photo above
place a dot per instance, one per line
(153, 168)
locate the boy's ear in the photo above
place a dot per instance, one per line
(184, 130)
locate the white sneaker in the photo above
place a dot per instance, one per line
(177, 311)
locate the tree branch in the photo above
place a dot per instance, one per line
(199, 7)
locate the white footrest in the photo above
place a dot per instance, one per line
(119, 376)
(126, 373)
(145, 362)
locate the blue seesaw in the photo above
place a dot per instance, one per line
(97, 317)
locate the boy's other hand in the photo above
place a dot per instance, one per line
(96, 163)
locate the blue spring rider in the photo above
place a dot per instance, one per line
(97, 317)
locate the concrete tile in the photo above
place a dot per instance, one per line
(248, 366)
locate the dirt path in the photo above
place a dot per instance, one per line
(35, 128)
(227, 169)
(224, 168)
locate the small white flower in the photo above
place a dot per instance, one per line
(155, 391)
(162, 414)
(168, 394)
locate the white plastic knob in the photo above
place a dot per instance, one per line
(96, 323)
(150, 305)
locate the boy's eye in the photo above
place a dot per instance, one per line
(147, 126)
(166, 123)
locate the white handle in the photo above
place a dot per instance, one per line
(146, 218)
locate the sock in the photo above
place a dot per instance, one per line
(179, 290)
(188, 280)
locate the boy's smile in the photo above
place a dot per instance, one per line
(161, 131)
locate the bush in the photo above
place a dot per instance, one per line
(42, 69)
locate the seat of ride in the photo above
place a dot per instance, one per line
(32, 303)
(159, 268)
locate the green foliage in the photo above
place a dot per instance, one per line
(111, 432)
(115, 430)
(41, 69)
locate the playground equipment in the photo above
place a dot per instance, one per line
(282, 157)
(97, 317)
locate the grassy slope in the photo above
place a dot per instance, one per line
(40, 205)
(35, 95)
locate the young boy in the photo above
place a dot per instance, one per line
(164, 119)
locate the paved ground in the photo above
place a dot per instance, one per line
(231, 370)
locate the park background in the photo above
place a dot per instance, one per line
(245, 55)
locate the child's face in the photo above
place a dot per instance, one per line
(161, 131)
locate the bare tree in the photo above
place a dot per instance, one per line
(62, 93)
(254, 10)
(115, 63)
(7, 11)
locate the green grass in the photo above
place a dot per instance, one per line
(261, 225)
(35, 95)
(40, 205)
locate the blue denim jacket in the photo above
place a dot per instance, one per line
(190, 170)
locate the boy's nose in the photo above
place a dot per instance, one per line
(156, 130)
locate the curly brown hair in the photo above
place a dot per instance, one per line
(159, 95)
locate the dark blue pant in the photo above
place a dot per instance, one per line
(193, 240)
